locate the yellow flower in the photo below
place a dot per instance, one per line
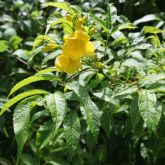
(78, 45)
(67, 65)
(49, 47)
(79, 25)
(80, 22)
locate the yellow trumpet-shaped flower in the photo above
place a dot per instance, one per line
(67, 65)
(78, 45)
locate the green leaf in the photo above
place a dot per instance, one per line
(28, 159)
(151, 80)
(57, 21)
(4, 161)
(24, 54)
(111, 16)
(89, 109)
(35, 78)
(20, 97)
(159, 89)
(100, 21)
(152, 30)
(155, 40)
(51, 56)
(134, 112)
(106, 94)
(56, 104)
(127, 26)
(106, 122)
(21, 122)
(126, 91)
(146, 18)
(47, 70)
(41, 38)
(61, 5)
(3, 46)
(148, 109)
(72, 130)
(15, 41)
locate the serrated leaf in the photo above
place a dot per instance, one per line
(21, 96)
(56, 104)
(89, 109)
(21, 122)
(148, 109)
(31, 79)
(134, 112)
(61, 5)
(72, 130)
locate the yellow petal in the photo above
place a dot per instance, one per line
(89, 49)
(73, 66)
(80, 34)
(64, 61)
(73, 48)
(61, 62)
(58, 65)
(64, 64)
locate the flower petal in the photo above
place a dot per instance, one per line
(89, 49)
(80, 34)
(73, 48)
(61, 62)
(73, 66)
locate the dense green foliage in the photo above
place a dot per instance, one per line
(111, 112)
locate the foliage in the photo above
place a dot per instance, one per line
(111, 111)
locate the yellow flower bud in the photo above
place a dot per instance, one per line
(69, 18)
(49, 47)
(79, 24)
(100, 65)
(84, 19)
(92, 31)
